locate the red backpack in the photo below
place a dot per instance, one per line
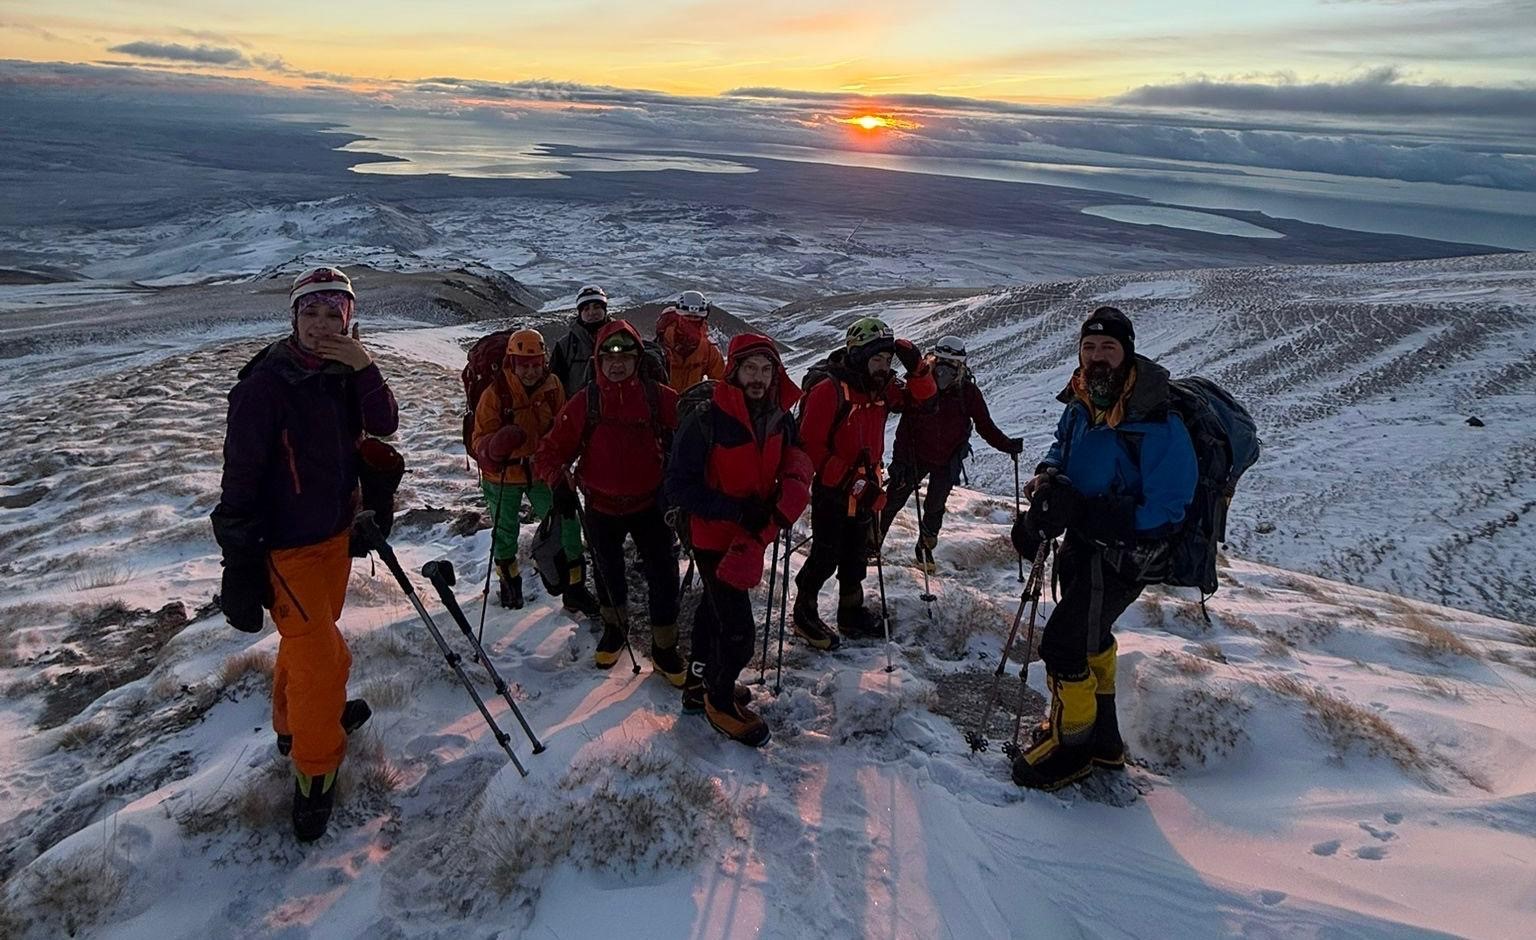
(482, 369)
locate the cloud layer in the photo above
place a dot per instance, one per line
(1379, 92)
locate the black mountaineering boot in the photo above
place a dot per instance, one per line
(809, 625)
(313, 798)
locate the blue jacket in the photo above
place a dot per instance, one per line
(1149, 457)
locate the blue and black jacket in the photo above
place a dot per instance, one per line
(1140, 469)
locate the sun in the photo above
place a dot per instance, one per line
(877, 122)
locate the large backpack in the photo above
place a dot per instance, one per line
(1226, 442)
(820, 372)
(482, 369)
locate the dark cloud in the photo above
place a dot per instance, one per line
(1379, 92)
(177, 52)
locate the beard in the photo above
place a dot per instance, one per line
(1103, 382)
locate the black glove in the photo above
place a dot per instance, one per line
(1054, 507)
(1026, 541)
(564, 501)
(1014, 447)
(755, 515)
(244, 591)
(908, 354)
(900, 475)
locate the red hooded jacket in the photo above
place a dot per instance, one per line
(621, 467)
(730, 455)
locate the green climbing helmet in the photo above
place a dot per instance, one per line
(866, 330)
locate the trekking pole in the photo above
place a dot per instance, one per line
(599, 580)
(977, 737)
(490, 561)
(778, 674)
(440, 573)
(885, 617)
(374, 539)
(687, 577)
(924, 554)
(1018, 507)
(1012, 749)
(773, 574)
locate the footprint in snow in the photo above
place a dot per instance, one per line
(1326, 848)
(1393, 818)
(1385, 835)
(1371, 853)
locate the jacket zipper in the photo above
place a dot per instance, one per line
(293, 466)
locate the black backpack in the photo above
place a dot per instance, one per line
(548, 553)
(692, 407)
(1226, 442)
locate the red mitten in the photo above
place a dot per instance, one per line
(742, 566)
(501, 445)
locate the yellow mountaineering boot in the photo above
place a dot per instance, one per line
(664, 654)
(1064, 755)
(1107, 747)
(612, 641)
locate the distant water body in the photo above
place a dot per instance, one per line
(542, 149)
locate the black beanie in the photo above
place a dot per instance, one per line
(1109, 321)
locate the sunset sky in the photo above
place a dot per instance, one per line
(994, 49)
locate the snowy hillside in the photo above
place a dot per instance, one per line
(1320, 760)
(1363, 379)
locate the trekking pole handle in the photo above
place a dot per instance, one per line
(441, 568)
(374, 539)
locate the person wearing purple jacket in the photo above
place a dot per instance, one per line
(933, 438)
(299, 417)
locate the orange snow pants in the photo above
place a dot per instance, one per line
(309, 685)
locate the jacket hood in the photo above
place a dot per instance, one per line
(755, 344)
(1147, 398)
(617, 326)
(610, 329)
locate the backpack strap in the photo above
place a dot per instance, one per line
(840, 413)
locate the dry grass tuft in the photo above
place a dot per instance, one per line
(80, 735)
(635, 809)
(1212, 651)
(257, 802)
(1432, 639)
(386, 692)
(960, 614)
(1347, 726)
(368, 771)
(251, 662)
(106, 575)
(969, 554)
(1197, 727)
(1302, 585)
(67, 897)
(1185, 664)
(1276, 646)
(1438, 688)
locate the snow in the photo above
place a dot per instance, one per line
(1321, 759)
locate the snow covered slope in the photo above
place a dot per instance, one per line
(1320, 760)
(1363, 379)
